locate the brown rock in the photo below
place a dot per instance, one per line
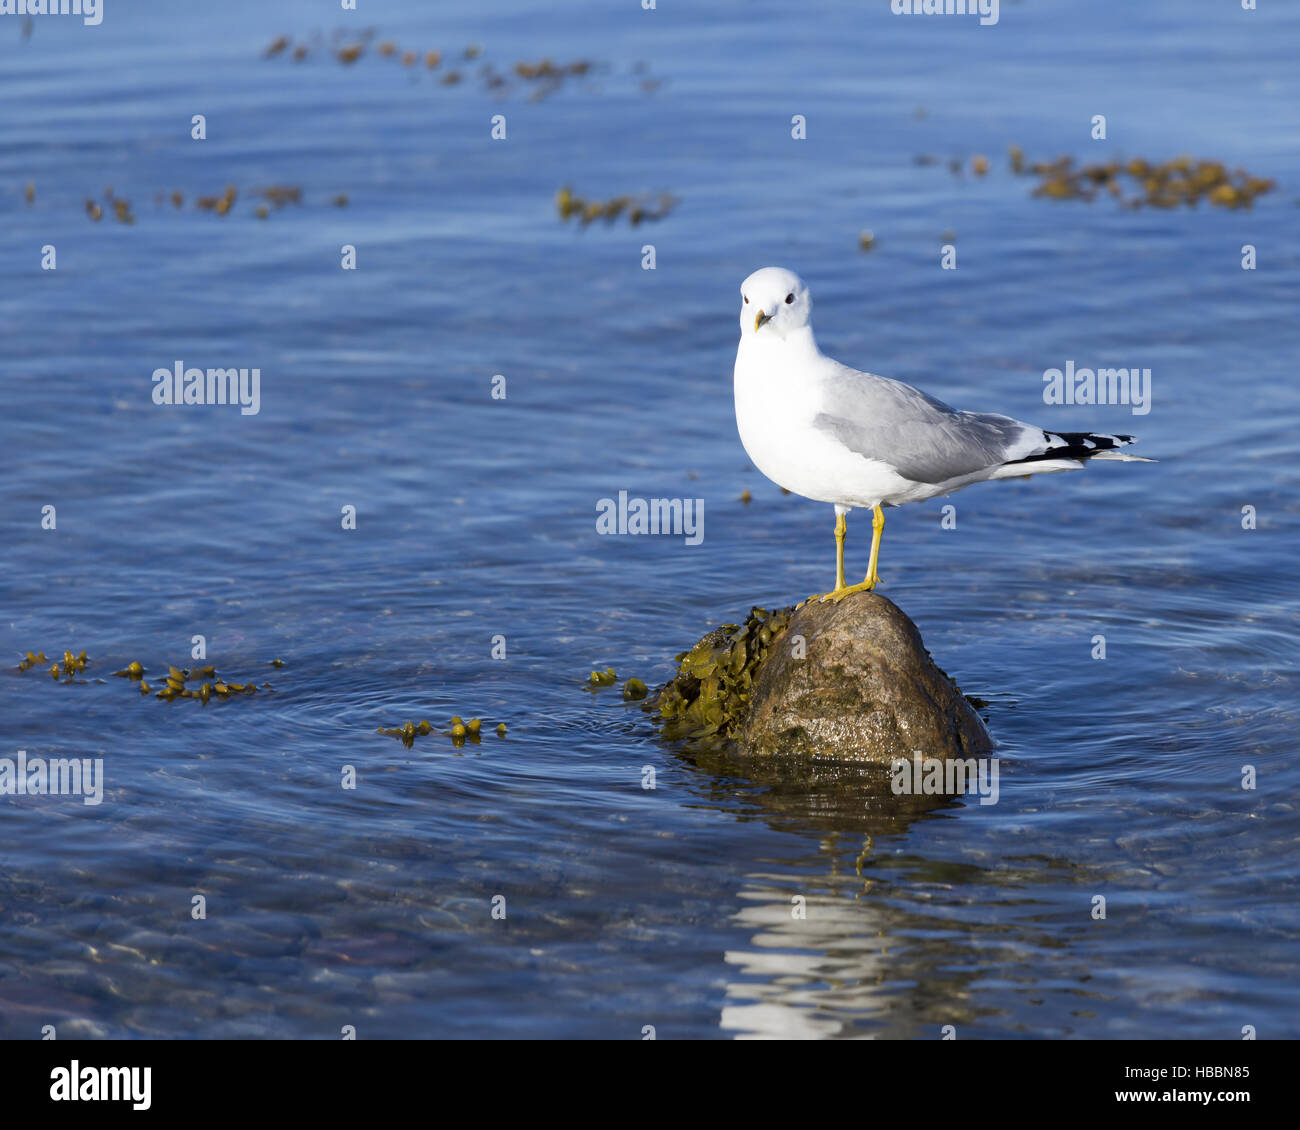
(865, 689)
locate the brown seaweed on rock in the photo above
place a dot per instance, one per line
(708, 699)
(846, 680)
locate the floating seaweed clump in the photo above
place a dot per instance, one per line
(274, 197)
(459, 730)
(69, 667)
(211, 685)
(121, 208)
(278, 195)
(548, 77)
(707, 700)
(605, 678)
(222, 204)
(407, 732)
(545, 76)
(135, 672)
(979, 164)
(548, 70)
(633, 690)
(1168, 184)
(636, 208)
(359, 43)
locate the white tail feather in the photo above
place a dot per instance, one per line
(1121, 457)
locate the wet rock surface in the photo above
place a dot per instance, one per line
(847, 681)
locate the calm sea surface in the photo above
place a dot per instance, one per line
(475, 523)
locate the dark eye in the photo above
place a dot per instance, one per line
(789, 298)
(746, 298)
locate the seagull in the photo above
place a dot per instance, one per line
(830, 433)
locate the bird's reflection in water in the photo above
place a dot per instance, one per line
(825, 938)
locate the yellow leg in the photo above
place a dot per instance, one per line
(877, 529)
(841, 531)
(872, 578)
(841, 588)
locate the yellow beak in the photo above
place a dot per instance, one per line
(762, 317)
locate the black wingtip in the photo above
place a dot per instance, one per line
(1076, 445)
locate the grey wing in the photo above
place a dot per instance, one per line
(924, 439)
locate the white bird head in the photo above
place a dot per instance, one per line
(774, 301)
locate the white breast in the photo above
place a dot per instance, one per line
(774, 413)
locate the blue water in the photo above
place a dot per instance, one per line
(475, 519)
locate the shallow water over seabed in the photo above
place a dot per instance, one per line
(476, 523)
